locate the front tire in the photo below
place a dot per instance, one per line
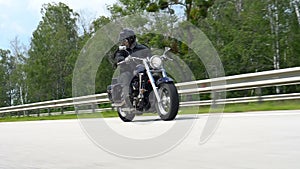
(125, 116)
(168, 108)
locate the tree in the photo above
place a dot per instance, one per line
(4, 78)
(193, 9)
(254, 36)
(105, 70)
(296, 6)
(18, 76)
(128, 7)
(52, 54)
(241, 32)
(7, 68)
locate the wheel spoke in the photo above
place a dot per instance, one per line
(165, 100)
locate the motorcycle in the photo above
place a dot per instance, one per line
(151, 90)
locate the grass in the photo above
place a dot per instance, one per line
(106, 114)
(32, 118)
(230, 108)
(264, 106)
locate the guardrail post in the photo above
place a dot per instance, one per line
(213, 97)
(189, 97)
(76, 110)
(49, 112)
(93, 108)
(38, 113)
(258, 94)
(62, 110)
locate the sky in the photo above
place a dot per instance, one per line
(19, 18)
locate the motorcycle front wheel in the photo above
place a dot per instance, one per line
(125, 116)
(169, 105)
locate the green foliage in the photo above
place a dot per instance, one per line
(128, 7)
(99, 23)
(153, 7)
(53, 52)
(104, 75)
(244, 38)
(5, 72)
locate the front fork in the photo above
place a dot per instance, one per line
(152, 81)
(141, 87)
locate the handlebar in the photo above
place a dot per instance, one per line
(130, 58)
(166, 57)
(142, 59)
(119, 63)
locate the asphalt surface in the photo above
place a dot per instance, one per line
(260, 140)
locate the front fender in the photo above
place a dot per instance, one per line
(164, 80)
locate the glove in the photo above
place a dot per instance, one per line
(119, 57)
(127, 59)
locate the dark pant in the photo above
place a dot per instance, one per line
(125, 79)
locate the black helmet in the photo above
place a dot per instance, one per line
(129, 35)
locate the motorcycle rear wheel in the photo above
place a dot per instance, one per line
(125, 116)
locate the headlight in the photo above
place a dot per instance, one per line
(155, 62)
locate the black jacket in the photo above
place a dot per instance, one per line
(139, 50)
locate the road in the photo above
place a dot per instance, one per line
(254, 140)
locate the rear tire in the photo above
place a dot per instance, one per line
(125, 116)
(168, 108)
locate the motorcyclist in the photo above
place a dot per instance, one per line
(127, 38)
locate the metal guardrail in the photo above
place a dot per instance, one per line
(69, 102)
(280, 77)
(281, 97)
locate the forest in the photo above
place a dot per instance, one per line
(249, 36)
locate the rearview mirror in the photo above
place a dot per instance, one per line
(166, 50)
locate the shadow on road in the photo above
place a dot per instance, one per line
(152, 119)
